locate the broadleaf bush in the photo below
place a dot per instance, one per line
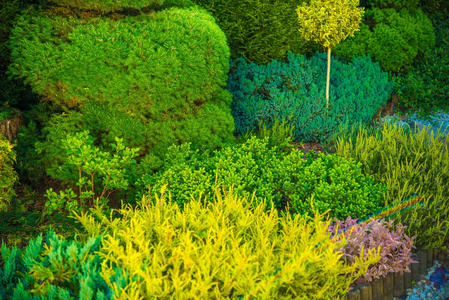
(287, 179)
(83, 165)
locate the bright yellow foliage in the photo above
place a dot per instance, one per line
(329, 21)
(220, 250)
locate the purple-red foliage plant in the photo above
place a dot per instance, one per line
(395, 246)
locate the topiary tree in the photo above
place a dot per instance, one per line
(152, 73)
(328, 23)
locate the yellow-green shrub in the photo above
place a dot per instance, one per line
(224, 250)
(415, 163)
(8, 176)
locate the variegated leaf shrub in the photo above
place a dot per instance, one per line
(223, 249)
(408, 163)
(395, 246)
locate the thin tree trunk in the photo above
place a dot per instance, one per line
(328, 75)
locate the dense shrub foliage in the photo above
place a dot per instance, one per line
(260, 31)
(397, 4)
(54, 268)
(8, 176)
(109, 6)
(223, 250)
(153, 79)
(408, 164)
(12, 92)
(283, 178)
(395, 246)
(425, 87)
(390, 37)
(295, 92)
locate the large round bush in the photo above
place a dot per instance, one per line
(153, 77)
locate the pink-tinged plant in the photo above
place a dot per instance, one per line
(395, 246)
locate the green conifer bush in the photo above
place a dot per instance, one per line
(260, 31)
(8, 176)
(153, 78)
(54, 268)
(397, 4)
(112, 5)
(393, 38)
(294, 92)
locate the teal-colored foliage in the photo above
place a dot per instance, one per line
(282, 178)
(397, 4)
(295, 92)
(392, 38)
(54, 269)
(153, 79)
(260, 31)
(425, 88)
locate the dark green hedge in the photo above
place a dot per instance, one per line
(260, 30)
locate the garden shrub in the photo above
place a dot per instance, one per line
(54, 268)
(390, 37)
(8, 176)
(425, 88)
(435, 6)
(260, 31)
(408, 164)
(395, 246)
(397, 4)
(224, 249)
(153, 79)
(13, 93)
(109, 6)
(252, 167)
(84, 165)
(295, 92)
